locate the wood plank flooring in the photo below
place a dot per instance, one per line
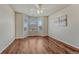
(39, 45)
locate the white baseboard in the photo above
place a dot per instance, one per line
(64, 41)
(8, 44)
(18, 37)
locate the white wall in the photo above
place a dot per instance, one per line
(7, 26)
(69, 34)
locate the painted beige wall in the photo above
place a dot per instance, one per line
(69, 34)
(7, 26)
(19, 25)
(45, 26)
(19, 21)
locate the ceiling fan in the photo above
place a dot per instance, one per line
(38, 8)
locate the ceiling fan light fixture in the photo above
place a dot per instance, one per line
(39, 8)
(40, 11)
(38, 5)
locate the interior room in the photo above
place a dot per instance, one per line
(39, 28)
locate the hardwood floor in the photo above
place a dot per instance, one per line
(39, 45)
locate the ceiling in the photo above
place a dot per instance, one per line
(29, 9)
